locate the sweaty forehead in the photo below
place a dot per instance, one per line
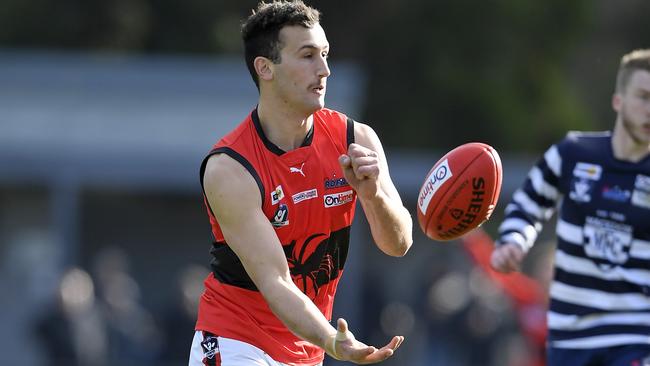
(297, 37)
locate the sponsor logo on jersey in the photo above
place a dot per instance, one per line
(338, 199)
(304, 195)
(641, 199)
(439, 175)
(616, 194)
(642, 182)
(277, 195)
(581, 190)
(335, 182)
(210, 346)
(587, 171)
(607, 242)
(294, 169)
(281, 217)
(641, 193)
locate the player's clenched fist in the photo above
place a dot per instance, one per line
(361, 167)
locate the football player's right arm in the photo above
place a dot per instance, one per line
(235, 200)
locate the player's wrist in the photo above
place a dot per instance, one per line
(330, 346)
(333, 339)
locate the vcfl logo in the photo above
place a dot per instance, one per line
(210, 346)
(293, 169)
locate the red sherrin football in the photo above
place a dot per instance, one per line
(460, 191)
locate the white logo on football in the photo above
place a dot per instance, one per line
(439, 175)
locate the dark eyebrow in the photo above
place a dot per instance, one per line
(313, 47)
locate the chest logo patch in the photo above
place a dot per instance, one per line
(337, 199)
(641, 193)
(281, 217)
(584, 177)
(304, 195)
(277, 195)
(335, 182)
(616, 194)
(294, 169)
(642, 182)
(607, 242)
(587, 171)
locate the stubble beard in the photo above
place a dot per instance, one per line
(638, 137)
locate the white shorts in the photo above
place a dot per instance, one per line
(219, 351)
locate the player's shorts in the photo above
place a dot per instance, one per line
(210, 350)
(632, 355)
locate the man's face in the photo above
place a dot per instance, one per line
(300, 79)
(634, 107)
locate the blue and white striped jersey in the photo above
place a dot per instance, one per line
(600, 294)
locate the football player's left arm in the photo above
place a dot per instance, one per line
(366, 170)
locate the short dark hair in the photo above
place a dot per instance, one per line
(631, 62)
(261, 29)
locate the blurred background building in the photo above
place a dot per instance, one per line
(108, 107)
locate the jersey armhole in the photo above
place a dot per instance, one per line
(350, 132)
(241, 160)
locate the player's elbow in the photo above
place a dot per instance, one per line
(399, 247)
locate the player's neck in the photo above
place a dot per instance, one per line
(285, 128)
(625, 147)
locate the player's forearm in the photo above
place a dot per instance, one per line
(298, 313)
(390, 223)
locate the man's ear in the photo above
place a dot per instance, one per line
(263, 68)
(617, 102)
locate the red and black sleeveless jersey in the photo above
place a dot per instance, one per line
(311, 206)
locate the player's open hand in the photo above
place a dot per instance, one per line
(346, 348)
(507, 258)
(361, 167)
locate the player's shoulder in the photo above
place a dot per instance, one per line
(228, 181)
(588, 142)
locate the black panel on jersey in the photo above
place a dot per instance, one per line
(350, 131)
(315, 270)
(270, 145)
(228, 269)
(241, 160)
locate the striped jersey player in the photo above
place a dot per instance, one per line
(599, 184)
